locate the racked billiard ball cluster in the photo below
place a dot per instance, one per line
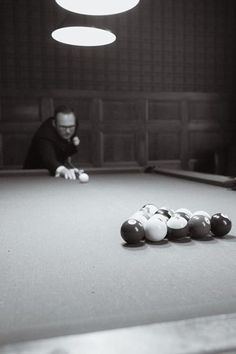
(155, 224)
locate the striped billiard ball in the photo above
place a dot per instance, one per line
(177, 228)
(183, 214)
(149, 210)
(165, 211)
(186, 213)
(140, 216)
(202, 212)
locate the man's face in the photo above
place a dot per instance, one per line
(65, 124)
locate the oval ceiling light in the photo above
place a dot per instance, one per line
(83, 36)
(97, 7)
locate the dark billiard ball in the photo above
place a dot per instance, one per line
(199, 226)
(177, 227)
(165, 211)
(132, 231)
(220, 224)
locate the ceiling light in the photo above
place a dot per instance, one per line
(97, 7)
(83, 36)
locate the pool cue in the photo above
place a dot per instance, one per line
(77, 173)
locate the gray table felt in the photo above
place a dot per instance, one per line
(65, 268)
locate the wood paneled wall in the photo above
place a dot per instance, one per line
(168, 129)
(170, 46)
(161, 46)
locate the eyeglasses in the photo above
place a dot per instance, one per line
(65, 127)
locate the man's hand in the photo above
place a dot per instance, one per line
(76, 141)
(67, 173)
(78, 171)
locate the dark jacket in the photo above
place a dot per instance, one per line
(48, 150)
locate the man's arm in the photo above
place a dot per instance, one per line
(49, 159)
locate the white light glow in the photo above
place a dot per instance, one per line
(97, 7)
(83, 36)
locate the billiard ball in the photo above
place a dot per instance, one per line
(165, 211)
(149, 210)
(220, 224)
(202, 212)
(155, 229)
(199, 226)
(177, 227)
(139, 215)
(83, 177)
(183, 214)
(184, 211)
(161, 217)
(132, 231)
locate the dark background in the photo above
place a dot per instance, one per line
(163, 93)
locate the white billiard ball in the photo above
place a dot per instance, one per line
(84, 177)
(155, 229)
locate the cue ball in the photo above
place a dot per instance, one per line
(177, 227)
(83, 177)
(155, 229)
(220, 224)
(199, 226)
(132, 231)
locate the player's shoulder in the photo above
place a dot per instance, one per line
(48, 122)
(46, 128)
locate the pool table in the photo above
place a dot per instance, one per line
(65, 269)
